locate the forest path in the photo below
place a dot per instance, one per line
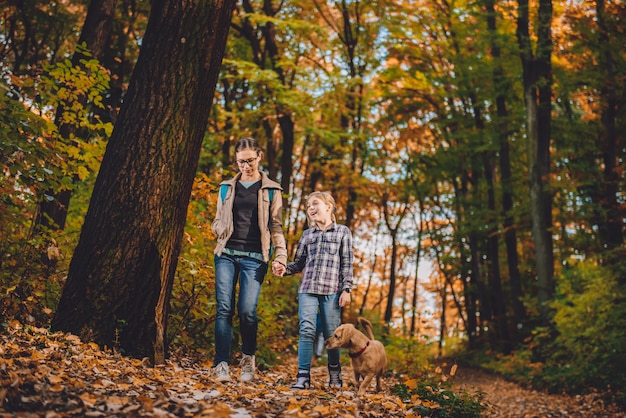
(56, 375)
(508, 399)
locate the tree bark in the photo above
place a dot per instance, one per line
(120, 277)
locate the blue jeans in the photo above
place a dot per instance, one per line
(250, 273)
(330, 312)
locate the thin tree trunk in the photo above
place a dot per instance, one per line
(418, 257)
(442, 323)
(372, 271)
(120, 277)
(502, 86)
(611, 226)
(393, 231)
(495, 279)
(537, 75)
(473, 290)
(95, 34)
(495, 292)
(261, 56)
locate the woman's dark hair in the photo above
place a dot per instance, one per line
(248, 143)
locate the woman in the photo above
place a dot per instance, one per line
(248, 226)
(324, 256)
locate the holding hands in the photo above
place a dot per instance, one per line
(278, 269)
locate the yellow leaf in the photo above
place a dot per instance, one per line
(431, 405)
(411, 383)
(399, 402)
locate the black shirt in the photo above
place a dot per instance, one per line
(246, 235)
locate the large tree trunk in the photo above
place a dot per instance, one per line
(537, 74)
(120, 277)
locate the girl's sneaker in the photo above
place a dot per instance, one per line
(303, 380)
(334, 372)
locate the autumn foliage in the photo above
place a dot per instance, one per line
(418, 116)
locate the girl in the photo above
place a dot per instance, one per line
(324, 256)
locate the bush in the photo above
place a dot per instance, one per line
(429, 398)
(590, 321)
(584, 349)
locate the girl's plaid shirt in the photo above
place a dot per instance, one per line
(325, 259)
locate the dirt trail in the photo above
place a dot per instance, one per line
(507, 399)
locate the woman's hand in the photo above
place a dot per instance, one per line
(278, 269)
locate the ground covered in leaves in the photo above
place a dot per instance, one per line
(57, 375)
(507, 399)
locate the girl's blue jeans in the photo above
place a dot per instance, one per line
(250, 273)
(330, 312)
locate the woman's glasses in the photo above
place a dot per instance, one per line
(249, 161)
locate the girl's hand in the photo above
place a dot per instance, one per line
(344, 299)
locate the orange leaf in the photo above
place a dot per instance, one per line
(53, 379)
(88, 399)
(324, 410)
(453, 370)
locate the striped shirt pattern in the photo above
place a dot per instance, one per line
(325, 260)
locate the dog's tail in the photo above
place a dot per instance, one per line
(367, 327)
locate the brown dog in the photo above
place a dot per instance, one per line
(368, 356)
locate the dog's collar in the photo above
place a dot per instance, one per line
(358, 353)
